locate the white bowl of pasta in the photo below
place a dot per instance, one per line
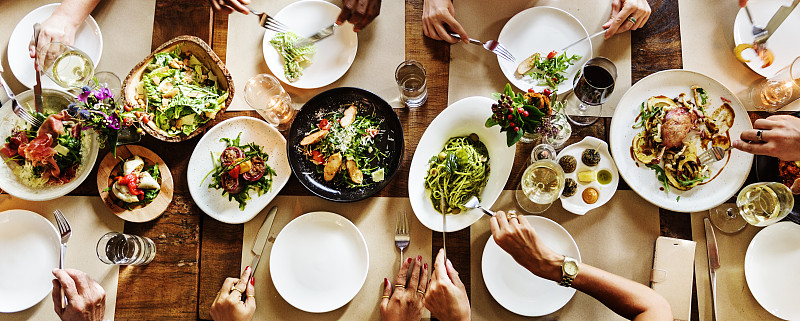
(461, 119)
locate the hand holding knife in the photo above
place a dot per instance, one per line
(261, 242)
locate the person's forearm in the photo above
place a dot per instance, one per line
(76, 10)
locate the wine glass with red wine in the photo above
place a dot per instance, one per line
(593, 84)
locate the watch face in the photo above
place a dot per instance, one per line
(571, 268)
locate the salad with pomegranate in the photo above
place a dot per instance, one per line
(238, 169)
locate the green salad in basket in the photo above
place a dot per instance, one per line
(181, 93)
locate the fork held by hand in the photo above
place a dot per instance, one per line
(269, 22)
(66, 231)
(713, 154)
(493, 46)
(401, 234)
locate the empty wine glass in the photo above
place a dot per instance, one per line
(592, 85)
(264, 93)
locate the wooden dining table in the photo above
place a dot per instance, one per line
(196, 252)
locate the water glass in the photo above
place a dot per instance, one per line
(779, 90)
(592, 85)
(107, 79)
(125, 249)
(411, 79)
(264, 93)
(67, 66)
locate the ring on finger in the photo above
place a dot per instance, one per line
(632, 19)
(385, 296)
(420, 292)
(511, 215)
(759, 134)
(399, 285)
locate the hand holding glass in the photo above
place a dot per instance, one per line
(66, 65)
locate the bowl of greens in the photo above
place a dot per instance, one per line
(179, 89)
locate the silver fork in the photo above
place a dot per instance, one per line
(66, 232)
(401, 234)
(758, 32)
(269, 22)
(18, 110)
(493, 46)
(713, 154)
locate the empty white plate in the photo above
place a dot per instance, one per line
(319, 262)
(333, 55)
(517, 289)
(88, 39)
(29, 248)
(770, 268)
(542, 30)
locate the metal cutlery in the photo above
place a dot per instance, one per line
(66, 232)
(322, 34)
(713, 154)
(37, 89)
(493, 46)
(757, 30)
(262, 239)
(774, 22)
(713, 262)
(582, 39)
(474, 202)
(401, 234)
(269, 22)
(18, 110)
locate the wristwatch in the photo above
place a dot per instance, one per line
(569, 270)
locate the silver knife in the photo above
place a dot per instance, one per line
(262, 239)
(713, 263)
(582, 39)
(37, 89)
(322, 34)
(778, 18)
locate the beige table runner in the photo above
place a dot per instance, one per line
(707, 46)
(381, 47)
(89, 219)
(735, 302)
(618, 237)
(375, 217)
(127, 28)
(475, 72)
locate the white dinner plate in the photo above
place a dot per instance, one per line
(642, 179)
(88, 39)
(542, 30)
(770, 266)
(211, 200)
(517, 289)
(12, 184)
(462, 118)
(319, 262)
(575, 203)
(29, 248)
(783, 43)
(333, 55)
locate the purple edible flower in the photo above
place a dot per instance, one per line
(85, 94)
(113, 121)
(103, 93)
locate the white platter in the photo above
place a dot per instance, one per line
(774, 249)
(29, 246)
(642, 179)
(88, 39)
(542, 29)
(319, 262)
(10, 183)
(575, 203)
(333, 55)
(462, 118)
(517, 289)
(783, 43)
(211, 200)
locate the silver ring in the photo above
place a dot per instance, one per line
(758, 134)
(632, 19)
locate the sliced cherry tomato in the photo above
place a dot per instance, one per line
(145, 119)
(234, 172)
(128, 107)
(372, 132)
(551, 54)
(547, 92)
(317, 157)
(324, 124)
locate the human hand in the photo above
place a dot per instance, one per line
(86, 300)
(405, 302)
(438, 19)
(229, 6)
(57, 28)
(780, 137)
(446, 297)
(626, 15)
(359, 12)
(228, 305)
(517, 237)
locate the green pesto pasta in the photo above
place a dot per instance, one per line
(457, 173)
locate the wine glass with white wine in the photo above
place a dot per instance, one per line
(542, 181)
(758, 204)
(67, 66)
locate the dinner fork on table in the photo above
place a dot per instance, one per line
(401, 234)
(18, 110)
(491, 45)
(713, 154)
(66, 231)
(268, 22)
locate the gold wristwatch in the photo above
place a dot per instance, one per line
(569, 270)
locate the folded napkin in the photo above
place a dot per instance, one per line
(90, 219)
(618, 237)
